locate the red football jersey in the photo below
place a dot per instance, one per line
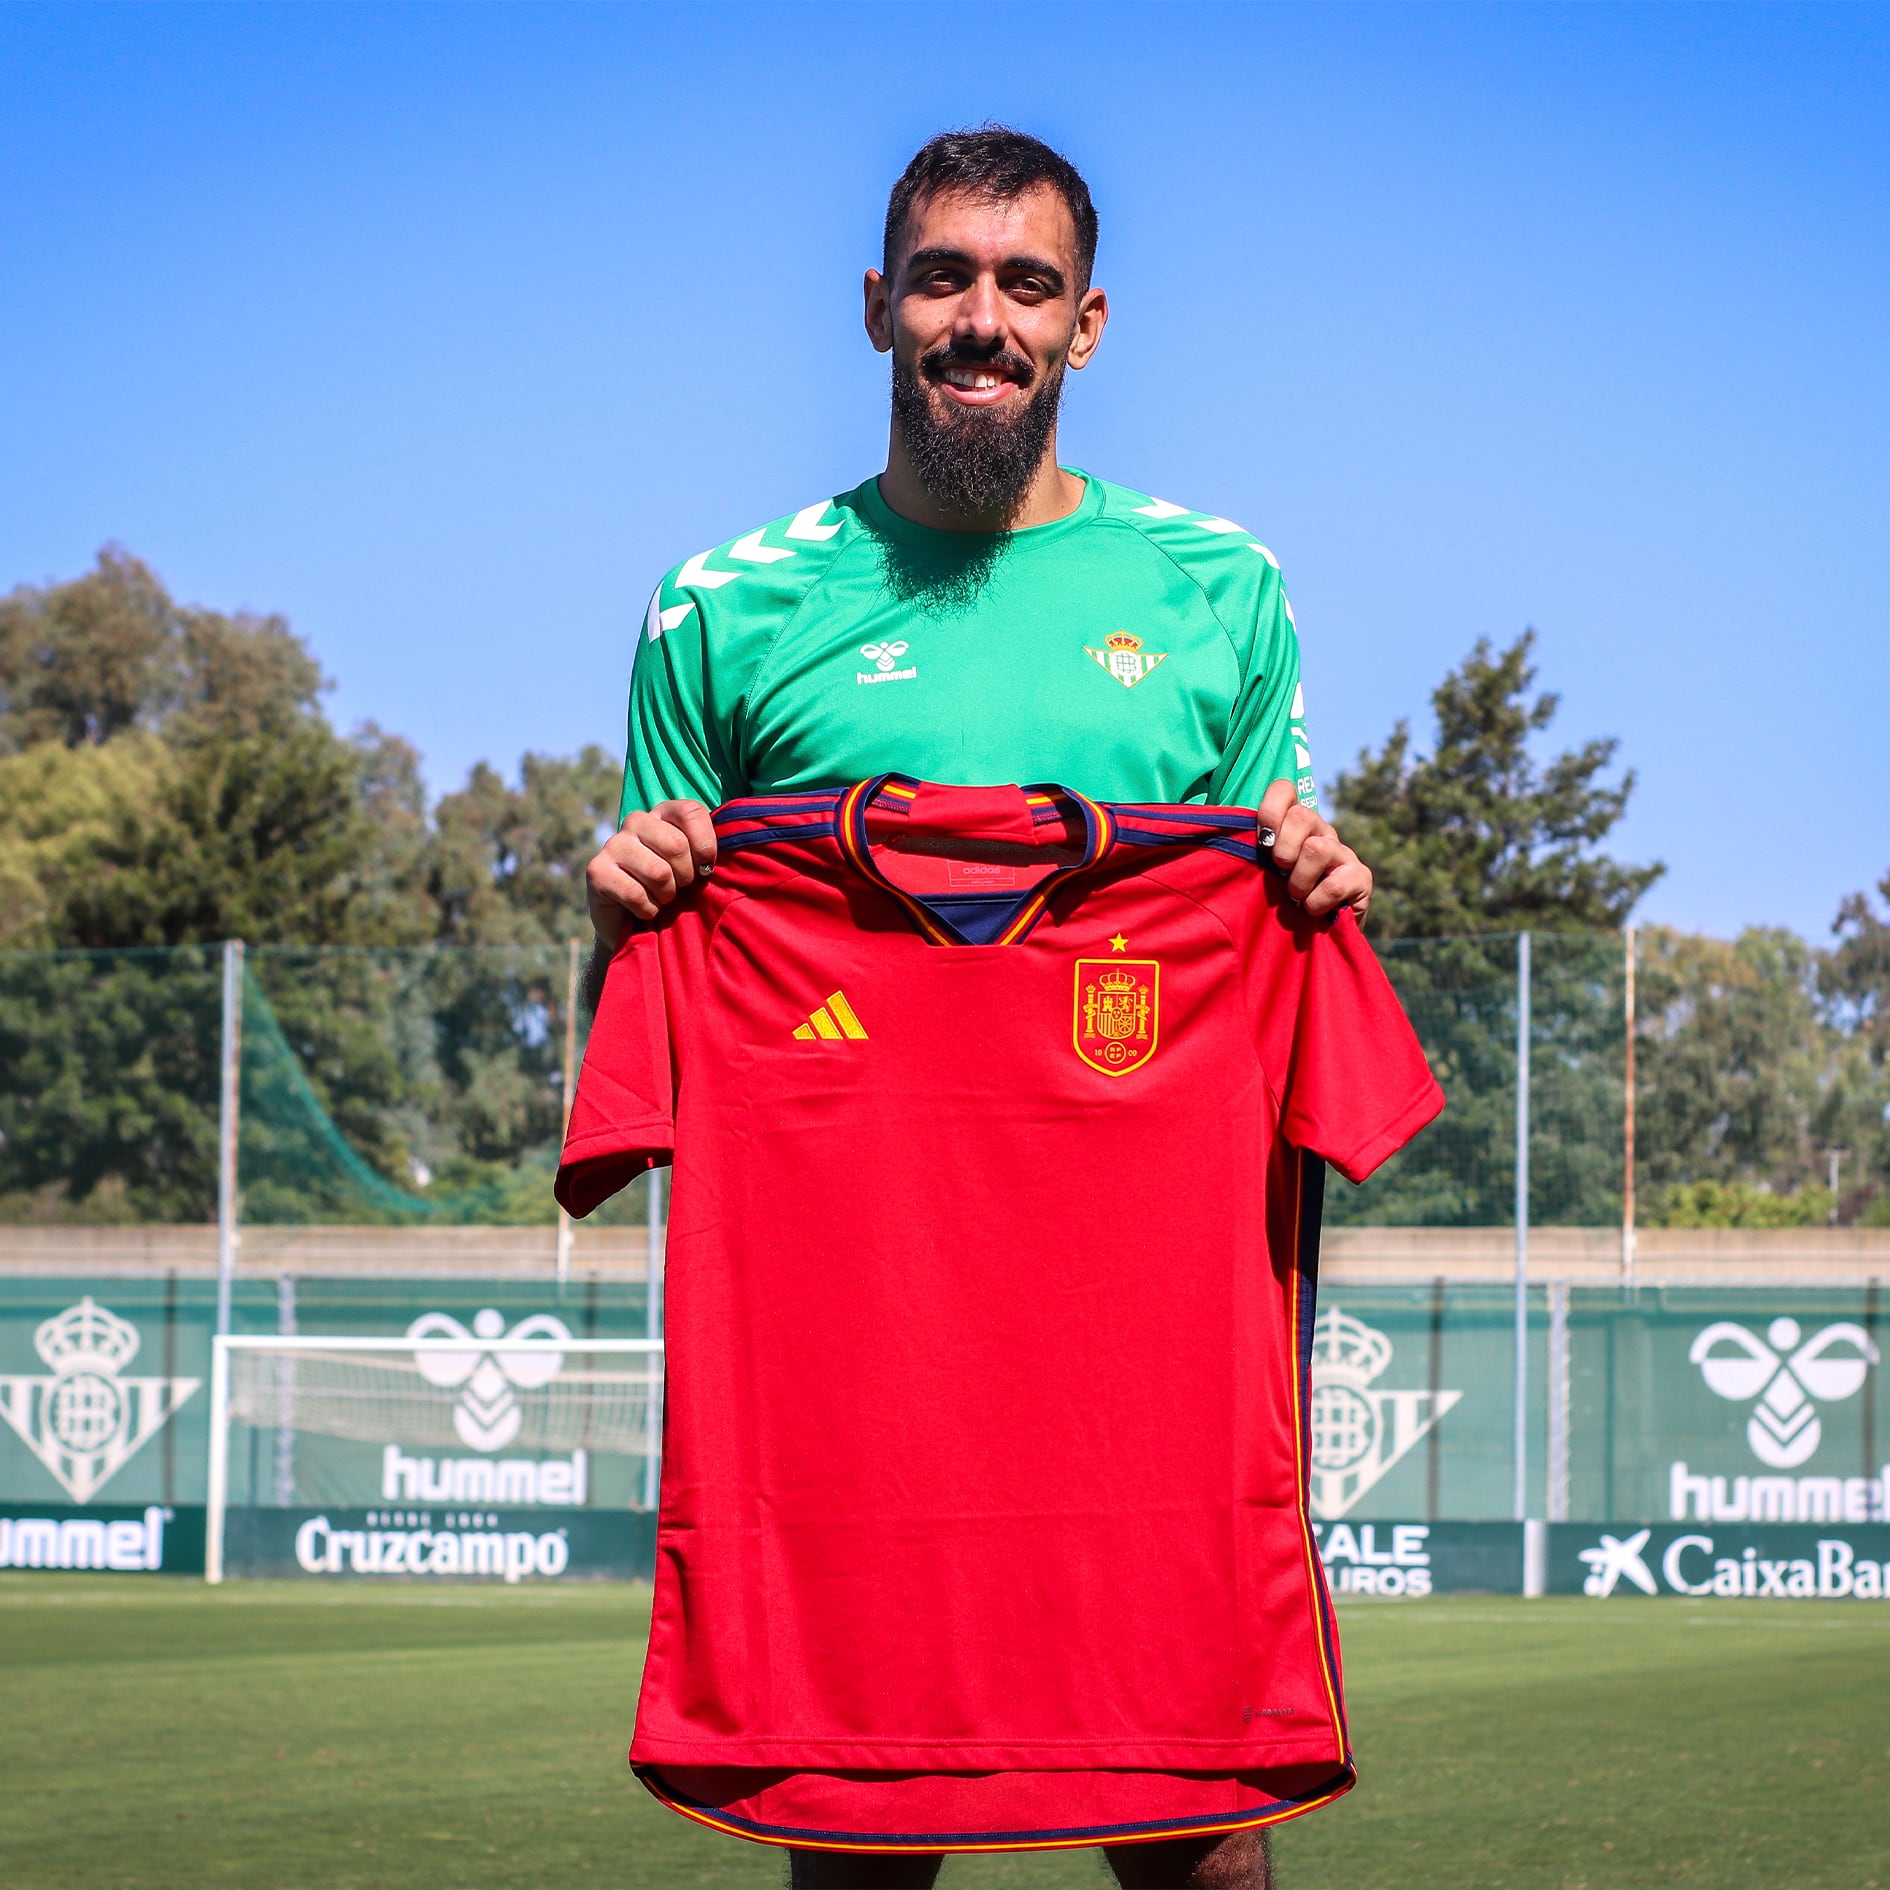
(998, 1118)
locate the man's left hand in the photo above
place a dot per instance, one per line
(1323, 873)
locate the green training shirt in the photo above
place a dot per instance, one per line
(1135, 651)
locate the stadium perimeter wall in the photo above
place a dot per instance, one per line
(1719, 1429)
(1577, 1256)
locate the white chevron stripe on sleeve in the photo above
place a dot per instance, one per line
(1266, 554)
(806, 524)
(1162, 508)
(1220, 527)
(696, 571)
(750, 550)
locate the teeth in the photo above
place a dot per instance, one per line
(976, 383)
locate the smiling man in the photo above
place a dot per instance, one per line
(977, 613)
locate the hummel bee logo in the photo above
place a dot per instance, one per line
(831, 1022)
(1123, 658)
(885, 659)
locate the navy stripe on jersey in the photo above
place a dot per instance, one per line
(1067, 1838)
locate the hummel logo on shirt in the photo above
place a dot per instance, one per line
(883, 657)
(832, 1021)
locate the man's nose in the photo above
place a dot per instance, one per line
(980, 313)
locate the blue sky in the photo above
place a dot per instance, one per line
(443, 330)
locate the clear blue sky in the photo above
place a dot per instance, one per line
(444, 330)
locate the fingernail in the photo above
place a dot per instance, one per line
(708, 868)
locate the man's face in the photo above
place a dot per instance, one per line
(982, 314)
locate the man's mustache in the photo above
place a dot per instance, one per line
(1018, 367)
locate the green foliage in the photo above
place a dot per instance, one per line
(168, 778)
(1475, 836)
(1738, 1204)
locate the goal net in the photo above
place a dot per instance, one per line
(533, 1419)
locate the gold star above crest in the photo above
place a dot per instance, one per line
(1118, 943)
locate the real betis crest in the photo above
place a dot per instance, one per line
(84, 1417)
(1118, 1012)
(1359, 1431)
(1124, 658)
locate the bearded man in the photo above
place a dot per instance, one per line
(977, 613)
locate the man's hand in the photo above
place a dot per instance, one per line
(645, 864)
(1323, 873)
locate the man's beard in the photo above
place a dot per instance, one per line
(972, 462)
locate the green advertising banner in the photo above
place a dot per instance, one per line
(1415, 1559)
(1742, 1562)
(104, 1393)
(510, 1546)
(1711, 1404)
(114, 1539)
(1716, 1407)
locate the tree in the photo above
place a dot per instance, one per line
(507, 863)
(1856, 983)
(1475, 836)
(168, 779)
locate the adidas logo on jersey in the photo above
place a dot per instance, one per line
(832, 1021)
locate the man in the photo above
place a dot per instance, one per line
(977, 614)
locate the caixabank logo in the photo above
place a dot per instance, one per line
(1787, 1563)
(87, 1415)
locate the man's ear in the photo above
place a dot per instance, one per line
(878, 311)
(1092, 316)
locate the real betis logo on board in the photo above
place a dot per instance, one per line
(1123, 657)
(1358, 1431)
(84, 1417)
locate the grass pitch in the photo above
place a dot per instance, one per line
(158, 1733)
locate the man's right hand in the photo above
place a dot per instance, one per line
(645, 864)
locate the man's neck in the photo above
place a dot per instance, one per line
(1052, 494)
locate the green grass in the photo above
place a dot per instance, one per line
(156, 1733)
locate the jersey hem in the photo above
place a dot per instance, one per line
(1068, 1838)
(1017, 1755)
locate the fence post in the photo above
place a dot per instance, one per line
(216, 1495)
(565, 1232)
(659, 1362)
(285, 1394)
(1558, 1401)
(1627, 1184)
(1521, 1442)
(227, 1124)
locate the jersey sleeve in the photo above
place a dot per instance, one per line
(676, 747)
(1353, 1081)
(1266, 736)
(623, 1117)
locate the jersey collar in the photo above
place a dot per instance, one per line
(1015, 918)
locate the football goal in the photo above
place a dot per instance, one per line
(446, 1417)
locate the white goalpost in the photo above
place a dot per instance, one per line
(449, 1389)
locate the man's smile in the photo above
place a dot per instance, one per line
(977, 383)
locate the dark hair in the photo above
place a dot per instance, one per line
(997, 164)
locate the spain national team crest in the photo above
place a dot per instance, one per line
(1123, 656)
(1118, 1012)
